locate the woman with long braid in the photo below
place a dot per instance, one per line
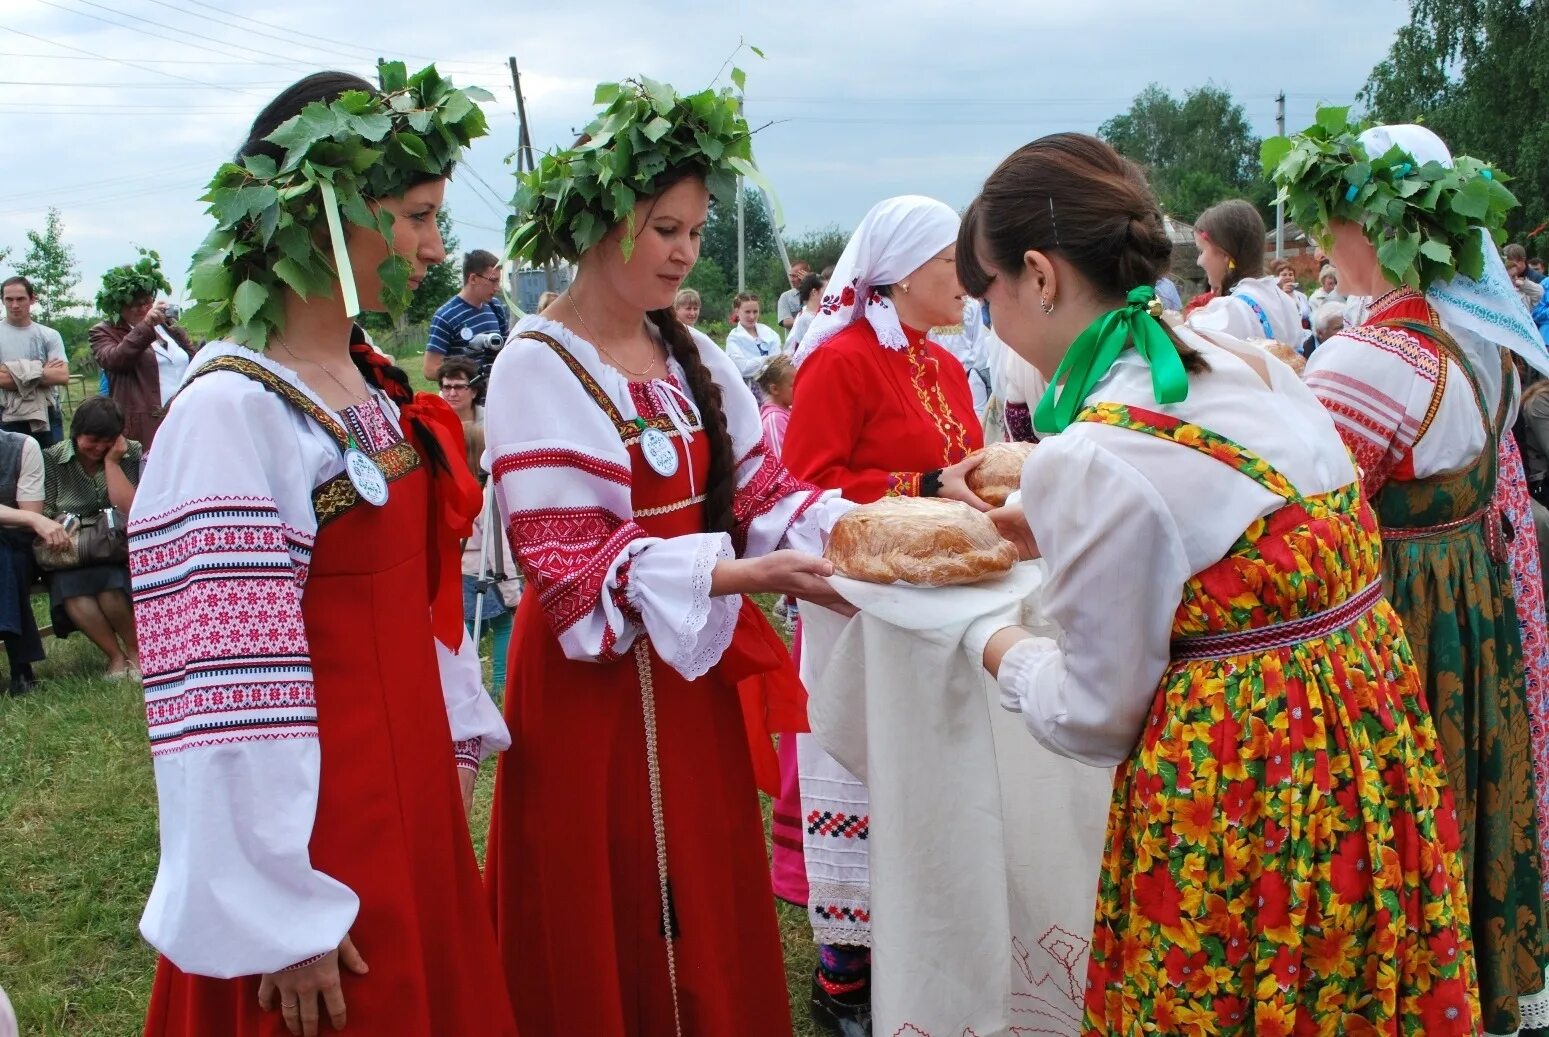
(626, 861)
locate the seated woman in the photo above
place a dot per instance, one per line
(95, 471)
(21, 520)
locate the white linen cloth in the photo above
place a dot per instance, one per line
(896, 238)
(985, 847)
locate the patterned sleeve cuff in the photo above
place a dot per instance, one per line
(310, 961)
(903, 484)
(468, 752)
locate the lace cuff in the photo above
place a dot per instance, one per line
(669, 586)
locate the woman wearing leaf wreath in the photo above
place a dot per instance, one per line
(315, 707)
(1423, 394)
(144, 352)
(1282, 852)
(626, 864)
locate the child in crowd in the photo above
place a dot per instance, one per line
(777, 382)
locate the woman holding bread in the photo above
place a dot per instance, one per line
(1282, 851)
(880, 411)
(626, 863)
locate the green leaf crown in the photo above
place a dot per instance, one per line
(271, 217)
(1423, 218)
(130, 283)
(573, 196)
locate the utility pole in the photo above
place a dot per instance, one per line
(742, 240)
(1280, 206)
(524, 157)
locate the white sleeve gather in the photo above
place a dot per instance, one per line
(221, 535)
(1116, 573)
(478, 729)
(564, 487)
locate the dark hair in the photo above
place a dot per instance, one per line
(478, 261)
(1236, 228)
(379, 371)
(1071, 194)
(319, 86)
(18, 279)
(455, 365)
(809, 284)
(97, 416)
(722, 480)
(743, 297)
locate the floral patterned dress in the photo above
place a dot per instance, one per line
(1282, 853)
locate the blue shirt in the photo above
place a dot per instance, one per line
(455, 323)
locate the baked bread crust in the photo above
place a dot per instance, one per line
(999, 475)
(923, 541)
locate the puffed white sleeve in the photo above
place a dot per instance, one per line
(772, 508)
(563, 487)
(1116, 573)
(478, 729)
(1229, 315)
(220, 538)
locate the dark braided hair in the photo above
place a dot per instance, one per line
(722, 482)
(392, 380)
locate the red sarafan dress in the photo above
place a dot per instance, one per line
(627, 808)
(869, 422)
(303, 714)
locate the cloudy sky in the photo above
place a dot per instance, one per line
(117, 111)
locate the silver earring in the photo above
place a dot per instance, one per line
(1046, 306)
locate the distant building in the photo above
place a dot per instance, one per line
(528, 285)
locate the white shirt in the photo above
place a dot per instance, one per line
(1124, 519)
(751, 350)
(1235, 316)
(171, 364)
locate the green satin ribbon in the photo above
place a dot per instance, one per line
(1095, 351)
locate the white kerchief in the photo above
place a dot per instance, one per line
(896, 238)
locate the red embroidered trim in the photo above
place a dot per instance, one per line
(558, 457)
(843, 826)
(567, 553)
(1279, 635)
(903, 484)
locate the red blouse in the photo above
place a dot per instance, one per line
(869, 421)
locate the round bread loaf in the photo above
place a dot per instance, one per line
(999, 475)
(924, 541)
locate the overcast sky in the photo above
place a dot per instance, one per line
(118, 111)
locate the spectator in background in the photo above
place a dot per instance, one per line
(1328, 320)
(1247, 303)
(492, 587)
(32, 362)
(545, 299)
(1535, 270)
(141, 349)
(459, 387)
(1515, 258)
(92, 476)
(1285, 274)
(750, 344)
(811, 295)
(22, 520)
(790, 302)
(777, 381)
(1327, 290)
(686, 306)
(462, 324)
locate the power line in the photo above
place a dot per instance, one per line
(157, 61)
(105, 199)
(119, 61)
(47, 192)
(126, 86)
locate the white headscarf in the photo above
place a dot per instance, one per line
(1486, 315)
(897, 237)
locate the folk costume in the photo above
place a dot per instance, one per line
(1282, 850)
(879, 409)
(1425, 413)
(310, 688)
(626, 869)
(1254, 308)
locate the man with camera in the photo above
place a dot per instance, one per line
(474, 322)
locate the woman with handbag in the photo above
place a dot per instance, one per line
(92, 477)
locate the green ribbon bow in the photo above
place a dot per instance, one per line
(1096, 349)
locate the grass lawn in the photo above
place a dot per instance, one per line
(78, 854)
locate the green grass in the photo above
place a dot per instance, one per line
(78, 854)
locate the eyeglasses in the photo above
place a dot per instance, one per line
(488, 280)
(455, 387)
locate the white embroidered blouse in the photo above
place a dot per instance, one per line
(221, 539)
(563, 483)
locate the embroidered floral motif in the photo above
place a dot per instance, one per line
(903, 484)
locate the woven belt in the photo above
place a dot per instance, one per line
(1421, 532)
(1263, 639)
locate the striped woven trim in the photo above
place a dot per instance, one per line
(667, 509)
(1421, 532)
(1279, 635)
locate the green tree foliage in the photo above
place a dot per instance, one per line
(1477, 72)
(1197, 150)
(50, 265)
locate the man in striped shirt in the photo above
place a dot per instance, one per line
(476, 311)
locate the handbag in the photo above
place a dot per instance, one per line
(99, 539)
